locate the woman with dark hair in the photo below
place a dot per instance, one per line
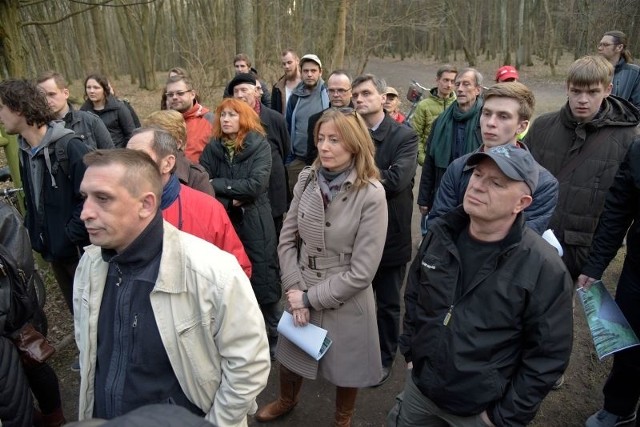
(238, 160)
(114, 113)
(330, 247)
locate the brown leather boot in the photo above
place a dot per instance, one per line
(345, 405)
(290, 384)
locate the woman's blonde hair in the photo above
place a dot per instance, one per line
(171, 121)
(356, 140)
(249, 121)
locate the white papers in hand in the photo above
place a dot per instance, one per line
(312, 339)
(552, 240)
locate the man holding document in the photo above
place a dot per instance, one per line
(621, 211)
(330, 247)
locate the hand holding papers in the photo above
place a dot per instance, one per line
(609, 328)
(312, 339)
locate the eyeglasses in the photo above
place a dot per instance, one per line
(607, 44)
(179, 93)
(338, 91)
(259, 88)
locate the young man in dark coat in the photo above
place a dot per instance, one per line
(621, 211)
(582, 145)
(52, 194)
(511, 104)
(396, 157)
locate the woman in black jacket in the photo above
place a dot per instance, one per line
(238, 160)
(114, 113)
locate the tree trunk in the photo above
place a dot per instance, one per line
(551, 41)
(245, 28)
(341, 33)
(11, 38)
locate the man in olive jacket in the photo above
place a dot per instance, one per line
(396, 157)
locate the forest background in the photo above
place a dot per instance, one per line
(137, 38)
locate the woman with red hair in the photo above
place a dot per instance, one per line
(238, 160)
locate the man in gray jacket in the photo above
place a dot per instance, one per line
(308, 98)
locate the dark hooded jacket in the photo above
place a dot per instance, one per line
(245, 177)
(555, 138)
(53, 198)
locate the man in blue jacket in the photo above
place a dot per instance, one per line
(506, 112)
(626, 77)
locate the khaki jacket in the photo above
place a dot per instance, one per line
(340, 253)
(199, 300)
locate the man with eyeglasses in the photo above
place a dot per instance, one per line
(308, 98)
(339, 89)
(626, 77)
(455, 132)
(182, 98)
(396, 157)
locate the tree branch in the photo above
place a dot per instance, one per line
(77, 12)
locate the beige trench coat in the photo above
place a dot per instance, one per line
(344, 243)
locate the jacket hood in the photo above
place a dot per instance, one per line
(196, 111)
(614, 112)
(55, 131)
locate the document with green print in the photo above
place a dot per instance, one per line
(609, 328)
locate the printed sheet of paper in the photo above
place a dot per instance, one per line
(312, 339)
(609, 328)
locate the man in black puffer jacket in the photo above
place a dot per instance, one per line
(582, 145)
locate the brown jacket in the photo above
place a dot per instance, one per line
(346, 242)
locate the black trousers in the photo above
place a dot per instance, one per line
(622, 389)
(386, 285)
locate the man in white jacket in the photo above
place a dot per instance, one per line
(160, 316)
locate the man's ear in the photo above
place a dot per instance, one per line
(523, 203)
(522, 126)
(608, 89)
(149, 205)
(65, 92)
(167, 164)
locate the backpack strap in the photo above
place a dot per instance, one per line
(60, 148)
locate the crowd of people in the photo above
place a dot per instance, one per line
(178, 241)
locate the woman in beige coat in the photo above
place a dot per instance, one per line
(339, 212)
